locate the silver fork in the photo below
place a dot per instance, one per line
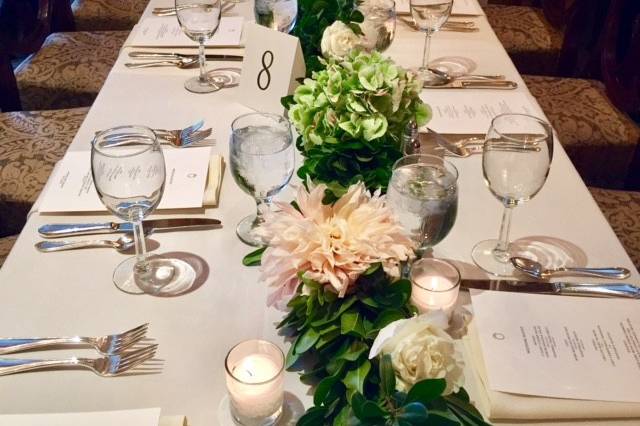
(106, 345)
(175, 138)
(107, 366)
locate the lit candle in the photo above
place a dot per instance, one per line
(255, 382)
(434, 285)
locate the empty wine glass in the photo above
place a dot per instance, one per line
(379, 25)
(429, 16)
(129, 180)
(515, 162)
(280, 15)
(199, 19)
(262, 161)
(423, 194)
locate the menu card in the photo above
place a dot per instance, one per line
(464, 112)
(460, 7)
(560, 346)
(71, 186)
(155, 31)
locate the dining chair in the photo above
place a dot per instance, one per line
(622, 210)
(64, 69)
(32, 143)
(533, 34)
(592, 118)
(91, 15)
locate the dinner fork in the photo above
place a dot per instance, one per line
(107, 366)
(106, 345)
(175, 138)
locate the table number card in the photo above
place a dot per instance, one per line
(273, 62)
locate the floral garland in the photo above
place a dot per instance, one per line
(357, 339)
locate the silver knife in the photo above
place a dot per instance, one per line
(477, 84)
(172, 55)
(57, 230)
(565, 289)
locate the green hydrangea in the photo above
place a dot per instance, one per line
(351, 115)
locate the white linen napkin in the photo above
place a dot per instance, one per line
(508, 406)
(214, 181)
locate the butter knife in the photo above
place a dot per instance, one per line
(172, 55)
(561, 288)
(476, 84)
(57, 230)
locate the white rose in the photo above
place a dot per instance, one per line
(337, 40)
(420, 349)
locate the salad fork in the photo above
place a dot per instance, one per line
(107, 366)
(106, 345)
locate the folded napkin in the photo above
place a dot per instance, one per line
(214, 181)
(508, 406)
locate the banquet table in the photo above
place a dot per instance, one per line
(71, 293)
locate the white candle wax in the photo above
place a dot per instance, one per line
(430, 292)
(253, 392)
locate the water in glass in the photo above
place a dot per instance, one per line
(379, 25)
(278, 15)
(424, 196)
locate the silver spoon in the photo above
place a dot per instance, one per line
(182, 62)
(535, 269)
(122, 244)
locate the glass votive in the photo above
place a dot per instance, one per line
(255, 382)
(434, 285)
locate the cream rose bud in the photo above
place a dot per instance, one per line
(338, 40)
(420, 349)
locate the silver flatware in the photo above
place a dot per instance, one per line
(476, 84)
(106, 345)
(535, 269)
(177, 140)
(446, 77)
(622, 290)
(172, 11)
(122, 244)
(172, 55)
(57, 230)
(178, 62)
(108, 366)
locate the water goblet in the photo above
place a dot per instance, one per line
(280, 15)
(199, 19)
(262, 161)
(129, 180)
(429, 16)
(423, 194)
(516, 158)
(379, 25)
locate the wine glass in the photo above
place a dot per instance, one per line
(262, 161)
(423, 194)
(515, 162)
(280, 15)
(199, 19)
(379, 25)
(429, 16)
(129, 179)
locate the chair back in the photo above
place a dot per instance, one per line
(620, 59)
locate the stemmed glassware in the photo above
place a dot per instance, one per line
(423, 194)
(429, 16)
(280, 15)
(379, 25)
(199, 19)
(262, 162)
(516, 158)
(129, 179)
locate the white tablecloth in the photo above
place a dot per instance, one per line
(71, 293)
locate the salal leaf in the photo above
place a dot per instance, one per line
(354, 379)
(426, 391)
(413, 413)
(387, 376)
(254, 258)
(351, 323)
(306, 341)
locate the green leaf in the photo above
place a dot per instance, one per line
(351, 323)
(386, 317)
(426, 391)
(387, 376)
(292, 356)
(306, 341)
(323, 389)
(353, 351)
(254, 258)
(440, 418)
(413, 413)
(313, 417)
(354, 379)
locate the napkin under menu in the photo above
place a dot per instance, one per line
(71, 187)
(574, 356)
